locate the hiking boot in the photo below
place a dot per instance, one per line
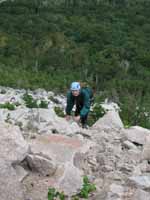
(85, 126)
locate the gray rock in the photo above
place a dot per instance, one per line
(71, 181)
(141, 195)
(42, 165)
(13, 147)
(137, 134)
(110, 120)
(21, 172)
(141, 181)
(10, 187)
(146, 149)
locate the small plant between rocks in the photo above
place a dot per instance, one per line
(33, 103)
(86, 190)
(8, 106)
(59, 111)
(29, 101)
(43, 104)
(53, 194)
(95, 114)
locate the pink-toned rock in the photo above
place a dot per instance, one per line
(58, 150)
(56, 147)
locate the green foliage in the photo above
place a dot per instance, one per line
(135, 113)
(59, 111)
(84, 193)
(43, 104)
(8, 106)
(87, 188)
(53, 194)
(33, 103)
(29, 101)
(105, 42)
(75, 198)
(96, 113)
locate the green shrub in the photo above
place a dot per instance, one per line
(43, 104)
(8, 106)
(59, 111)
(33, 103)
(29, 101)
(95, 114)
(53, 194)
(84, 193)
(87, 188)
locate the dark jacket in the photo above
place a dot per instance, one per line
(82, 100)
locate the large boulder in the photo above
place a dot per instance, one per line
(110, 120)
(142, 182)
(10, 187)
(146, 149)
(137, 134)
(13, 149)
(39, 163)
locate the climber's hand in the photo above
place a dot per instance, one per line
(67, 117)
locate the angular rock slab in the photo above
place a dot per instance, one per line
(146, 149)
(10, 187)
(111, 120)
(137, 134)
(56, 147)
(61, 151)
(141, 181)
(41, 164)
(13, 147)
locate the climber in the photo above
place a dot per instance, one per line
(81, 98)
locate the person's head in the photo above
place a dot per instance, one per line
(75, 88)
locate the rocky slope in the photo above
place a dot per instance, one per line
(39, 150)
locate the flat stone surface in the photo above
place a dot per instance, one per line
(61, 150)
(57, 147)
(137, 134)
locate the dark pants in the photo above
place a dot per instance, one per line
(77, 112)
